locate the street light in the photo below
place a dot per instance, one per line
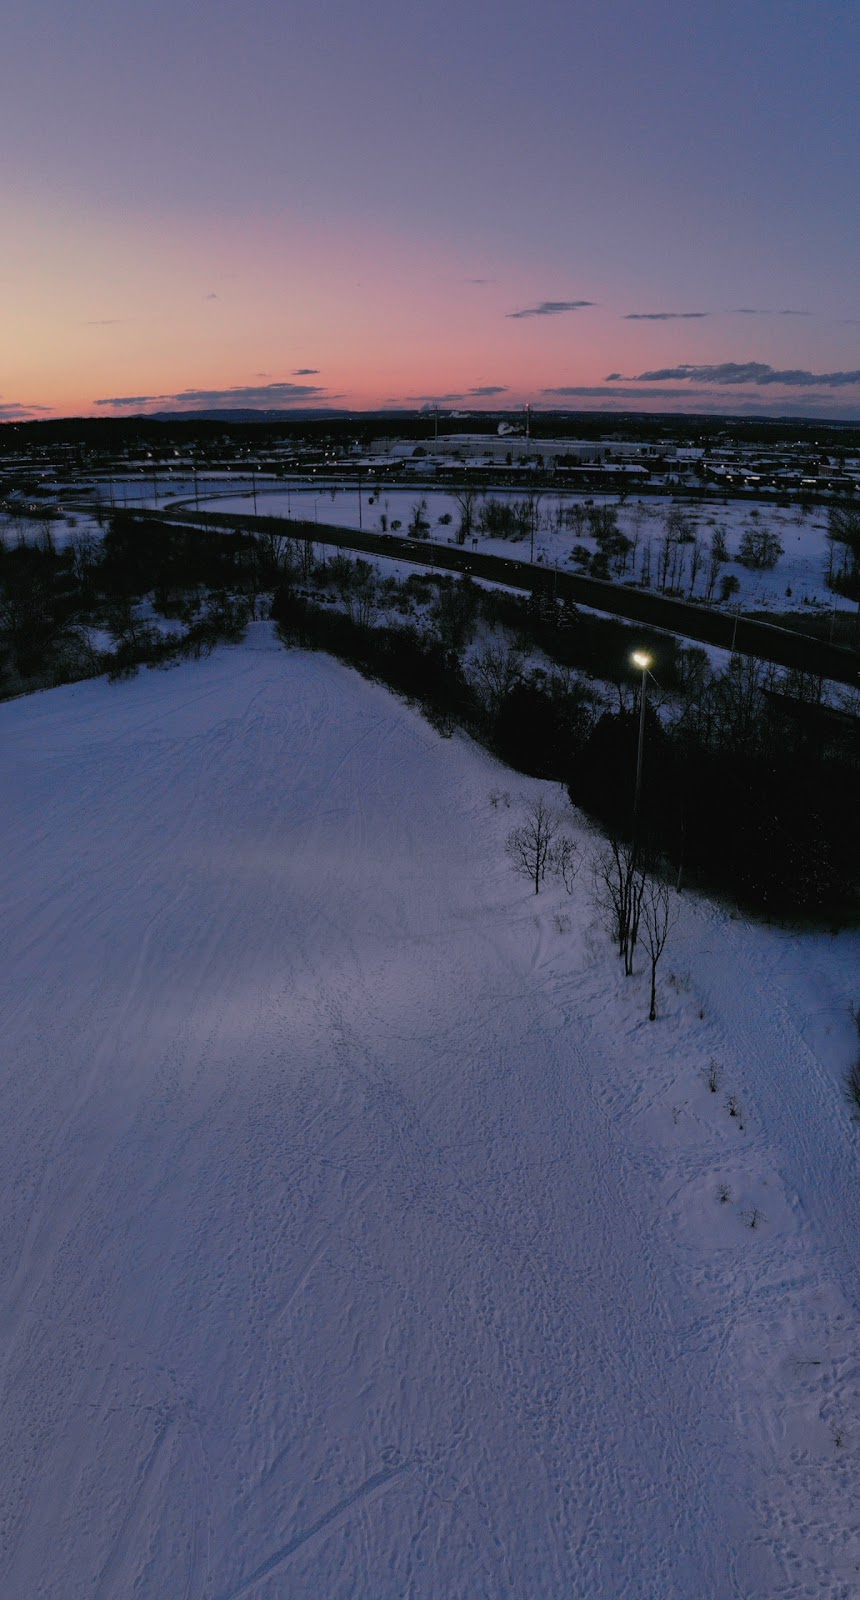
(642, 660)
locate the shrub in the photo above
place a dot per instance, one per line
(760, 549)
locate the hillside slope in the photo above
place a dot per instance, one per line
(361, 1236)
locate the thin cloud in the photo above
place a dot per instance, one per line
(479, 281)
(132, 400)
(11, 411)
(211, 297)
(604, 391)
(483, 392)
(766, 311)
(551, 308)
(306, 372)
(741, 372)
(665, 316)
(254, 396)
(103, 322)
(729, 402)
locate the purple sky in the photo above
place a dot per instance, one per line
(364, 205)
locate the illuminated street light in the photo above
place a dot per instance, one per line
(642, 660)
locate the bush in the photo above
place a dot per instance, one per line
(760, 550)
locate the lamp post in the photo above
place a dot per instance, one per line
(642, 660)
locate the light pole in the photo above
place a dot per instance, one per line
(642, 660)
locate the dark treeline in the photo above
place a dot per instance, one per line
(751, 789)
(751, 786)
(110, 434)
(55, 601)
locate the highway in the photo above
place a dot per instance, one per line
(746, 635)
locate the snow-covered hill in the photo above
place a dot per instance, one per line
(360, 1235)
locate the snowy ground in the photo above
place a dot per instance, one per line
(361, 1237)
(798, 581)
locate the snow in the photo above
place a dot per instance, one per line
(361, 1236)
(796, 582)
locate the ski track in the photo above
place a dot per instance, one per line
(361, 1238)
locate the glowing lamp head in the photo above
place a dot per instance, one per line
(641, 659)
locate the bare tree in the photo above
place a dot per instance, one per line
(466, 499)
(355, 583)
(603, 521)
(304, 554)
(696, 558)
(529, 846)
(454, 612)
(532, 504)
(619, 880)
(717, 557)
(419, 526)
(495, 672)
(85, 550)
(658, 919)
(362, 600)
(277, 547)
(843, 530)
(668, 545)
(760, 549)
(564, 861)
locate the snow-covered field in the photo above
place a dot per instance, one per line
(361, 1236)
(795, 583)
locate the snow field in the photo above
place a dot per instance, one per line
(801, 569)
(361, 1235)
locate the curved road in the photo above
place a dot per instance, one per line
(735, 633)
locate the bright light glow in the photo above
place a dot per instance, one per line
(641, 660)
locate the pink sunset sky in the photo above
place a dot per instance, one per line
(573, 205)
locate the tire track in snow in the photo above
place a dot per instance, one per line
(366, 1491)
(111, 1574)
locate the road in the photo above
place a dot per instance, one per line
(746, 635)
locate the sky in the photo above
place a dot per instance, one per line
(592, 204)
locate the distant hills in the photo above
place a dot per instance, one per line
(294, 414)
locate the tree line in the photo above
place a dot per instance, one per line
(544, 685)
